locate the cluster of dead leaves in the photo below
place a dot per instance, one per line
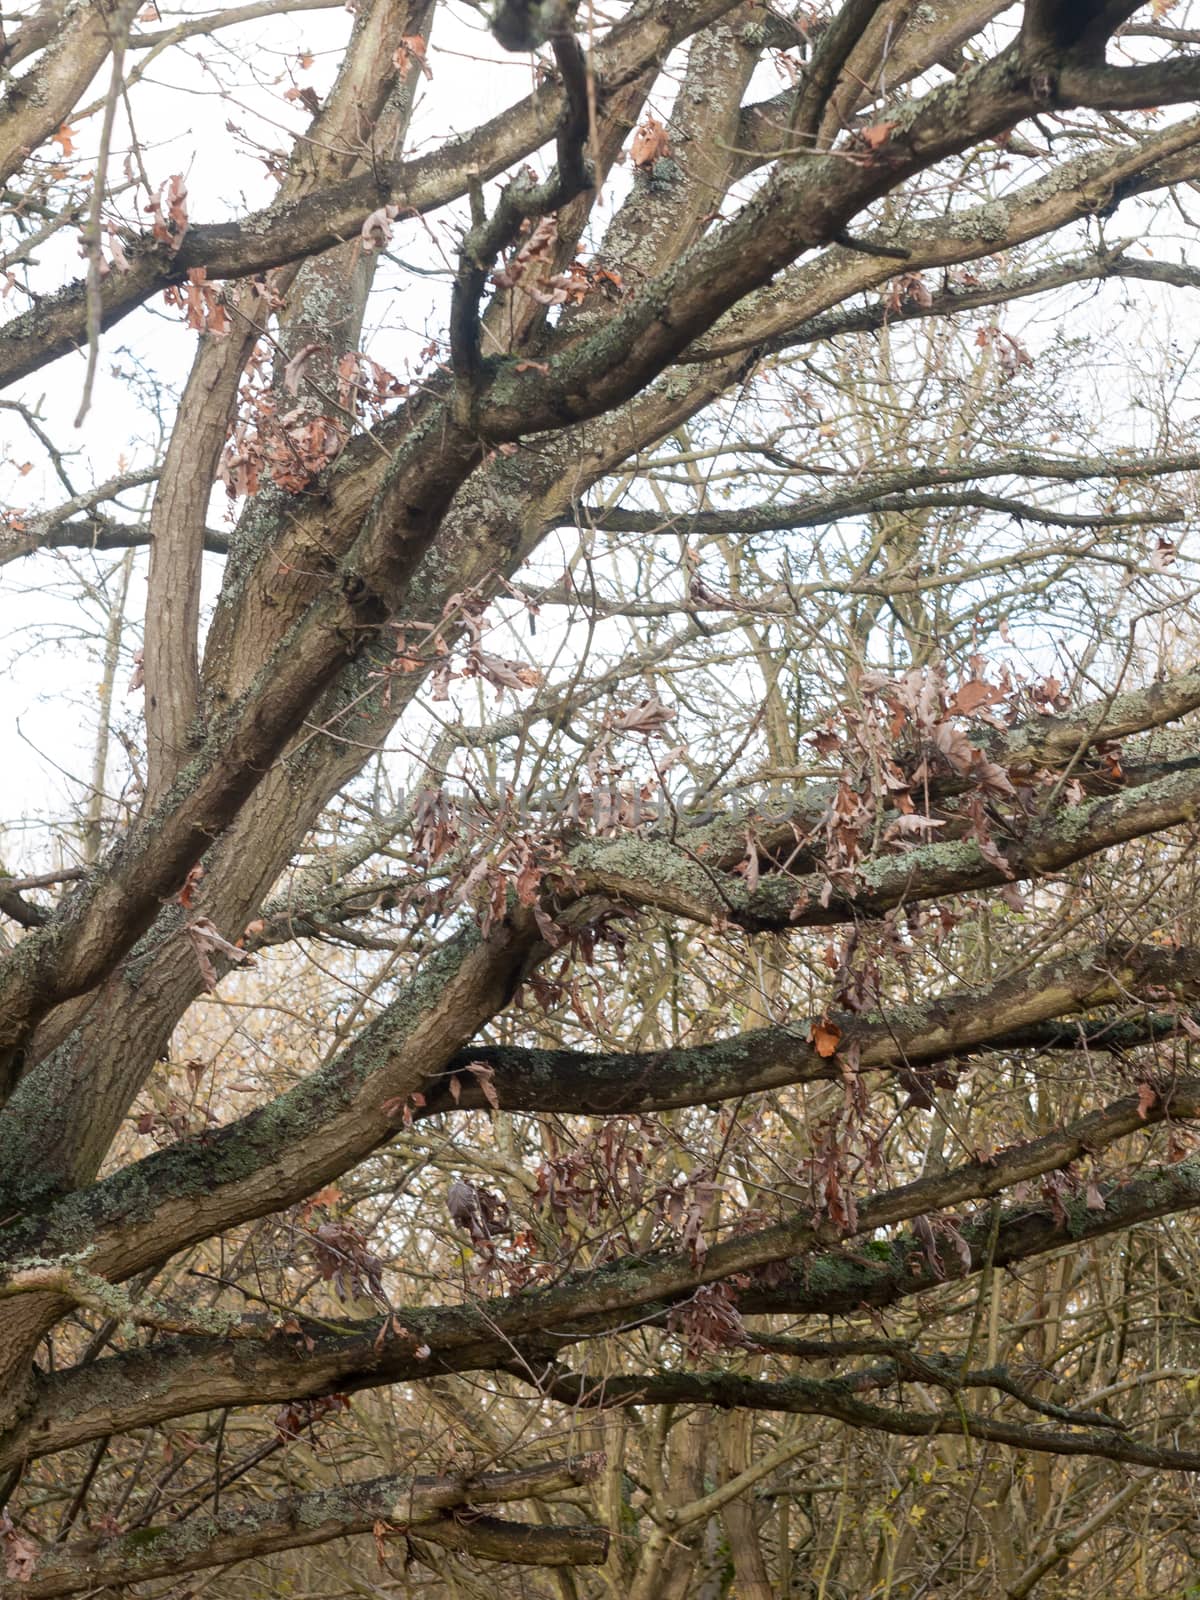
(1011, 355)
(437, 826)
(830, 1176)
(600, 1180)
(685, 1208)
(343, 1260)
(420, 645)
(412, 51)
(175, 1119)
(650, 715)
(909, 291)
(709, 1321)
(531, 271)
(502, 674)
(203, 308)
(241, 463)
(1163, 554)
(301, 446)
(550, 992)
(823, 1036)
(478, 1212)
(929, 1230)
(904, 739)
(409, 656)
(205, 940)
(299, 1417)
(364, 388)
(294, 446)
(650, 144)
(484, 1076)
(519, 867)
(115, 261)
(304, 96)
(603, 1172)
(168, 212)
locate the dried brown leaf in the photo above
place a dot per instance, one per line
(877, 135)
(824, 1036)
(411, 50)
(650, 144)
(20, 1551)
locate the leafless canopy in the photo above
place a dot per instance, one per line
(634, 924)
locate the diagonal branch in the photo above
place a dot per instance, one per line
(1090, 184)
(837, 42)
(836, 1398)
(951, 1026)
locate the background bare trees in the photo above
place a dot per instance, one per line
(628, 953)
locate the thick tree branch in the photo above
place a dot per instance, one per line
(844, 1284)
(836, 1398)
(1128, 88)
(618, 520)
(442, 1511)
(343, 1107)
(951, 1027)
(39, 102)
(365, 92)
(654, 872)
(837, 42)
(1092, 183)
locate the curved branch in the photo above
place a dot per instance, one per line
(952, 300)
(836, 1398)
(745, 519)
(440, 1510)
(1091, 184)
(655, 872)
(1106, 88)
(346, 1109)
(832, 1285)
(816, 510)
(233, 17)
(952, 1026)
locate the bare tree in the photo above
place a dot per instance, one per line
(807, 938)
